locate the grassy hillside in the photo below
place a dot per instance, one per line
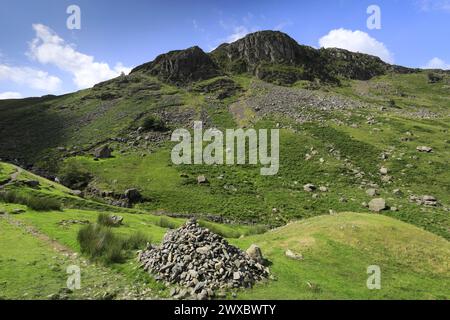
(354, 140)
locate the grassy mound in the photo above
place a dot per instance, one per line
(338, 249)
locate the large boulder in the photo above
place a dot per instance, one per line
(103, 152)
(255, 253)
(377, 205)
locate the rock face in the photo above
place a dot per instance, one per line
(201, 261)
(273, 55)
(181, 66)
(377, 205)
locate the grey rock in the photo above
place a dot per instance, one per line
(290, 254)
(103, 152)
(377, 205)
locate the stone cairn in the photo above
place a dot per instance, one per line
(202, 264)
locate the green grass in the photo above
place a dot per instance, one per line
(337, 251)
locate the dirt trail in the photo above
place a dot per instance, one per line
(58, 247)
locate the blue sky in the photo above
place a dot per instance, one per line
(40, 55)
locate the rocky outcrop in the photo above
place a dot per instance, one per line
(181, 66)
(201, 262)
(276, 57)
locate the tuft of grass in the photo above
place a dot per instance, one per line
(136, 241)
(106, 220)
(100, 243)
(224, 232)
(164, 222)
(32, 202)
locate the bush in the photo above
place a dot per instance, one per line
(153, 123)
(434, 77)
(31, 201)
(136, 241)
(74, 176)
(43, 204)
(99, 243)
(164, 222)
(256, 229)
(105, 219)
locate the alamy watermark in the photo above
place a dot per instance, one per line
(73, 22)
(374, 280)
(374, 20)
(74, 278)
(241, 147)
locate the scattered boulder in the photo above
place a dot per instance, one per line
(372, 192)
(377, 205)
(426, 200)
(103, 152)
(116, 220)
(424, 149)
(384, 170)
(323, 189)
(201, 262)
(202, 179)
(17, 211)
(77, 193)
(292, 255)
(309, 187)
(255, 253)
(65, 223)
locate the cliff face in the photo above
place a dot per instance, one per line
(271, 56)
(181, 66)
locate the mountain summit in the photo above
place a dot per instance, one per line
(272, 56)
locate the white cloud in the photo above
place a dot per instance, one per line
(48, 48)
(282, 25)
(437, 63)
(357, 41)
(31, 77)
(10, 95)
(238, 33)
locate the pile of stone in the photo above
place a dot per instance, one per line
(202, 264)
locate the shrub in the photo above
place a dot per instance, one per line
(43, 204)
(31, 201)
(164, 222)
(106, 220)
(153, 123)
(136, 241)
(256, 229)
(99, 243)
(74, 176)
(434, 77)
